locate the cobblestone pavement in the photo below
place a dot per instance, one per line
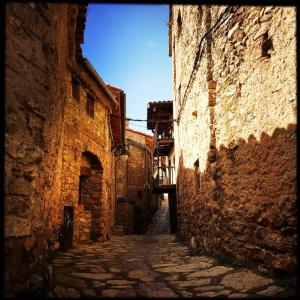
(160, 223)
(151, 266)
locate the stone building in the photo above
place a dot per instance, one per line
(59, 144)
(87, 179)
(135, 202)
(234, 88)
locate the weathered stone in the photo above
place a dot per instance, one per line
(17, 227)
(120, 282)
(142, 274)
(89, 292)
(214, 293)
(62, 292)
(118, 293)
(115, 270)
(20, 186)
(272, 290)
(244, 183)
(71, 293)
(212, 272)
(194, 282)
(185, 268)
(238, 295)
(97, 269)
(121, 286)
(94, 276)
(69, 281)
(186, 294)
(209, 288)
(98, 284)
(156, 289)
(244, 281)
(131, 183)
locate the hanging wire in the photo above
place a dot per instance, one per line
(141, 120)
(199, 54)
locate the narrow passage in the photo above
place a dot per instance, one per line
(152, 265)
(161, 220)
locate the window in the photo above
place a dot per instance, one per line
(75, 89)
(196, 177)
(200, 14)
(266, 46)
(90, 101)
(179, 95)
(179, 25)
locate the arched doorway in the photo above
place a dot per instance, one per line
(90, 190)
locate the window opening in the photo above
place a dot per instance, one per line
(90, 102)
(266, 46)
(75, 89)
(196, 176)
(179, 25)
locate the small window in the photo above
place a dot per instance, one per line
(75, 89)
(266, 46)
(90, 102)
(196, 176)
(179, 95)
(200, 14)
(179, 25)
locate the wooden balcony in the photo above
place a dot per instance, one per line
(164, 179)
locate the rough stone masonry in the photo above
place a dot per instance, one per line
(234, 85)
(57, 130)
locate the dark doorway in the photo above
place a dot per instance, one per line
(90, 192)
(67, 236)
(139, 226)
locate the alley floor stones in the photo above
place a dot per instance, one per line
(161, 221)
(152, 266)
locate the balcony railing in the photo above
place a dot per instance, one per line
(164, 175)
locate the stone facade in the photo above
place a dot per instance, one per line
(50, 141)
(135, 202)
(234, 85)
(88, 160)
(36, 55)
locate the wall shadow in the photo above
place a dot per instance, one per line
(244, 203)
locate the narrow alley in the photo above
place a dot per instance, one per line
(154, 265)
(160, 223)
(150, 151)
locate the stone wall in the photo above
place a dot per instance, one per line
(121, 176)
(135, 202)
(47, 131)
(35, 85)
(125, 215)
(137, 191)
(82, 230)
(235, 96)
(91, 135)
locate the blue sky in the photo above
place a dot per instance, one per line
(128, 46)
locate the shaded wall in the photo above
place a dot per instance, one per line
(235, 95)
(134, 179)
(84, 134)
(36, 50)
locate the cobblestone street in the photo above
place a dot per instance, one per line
(152, 265)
